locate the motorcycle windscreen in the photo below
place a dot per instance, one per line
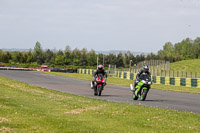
(145, 77)
(100, 76)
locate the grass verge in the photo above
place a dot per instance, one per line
(125, 82)
(27, 108)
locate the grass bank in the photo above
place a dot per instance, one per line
(125, 82)
(186, 65)
(27, 108)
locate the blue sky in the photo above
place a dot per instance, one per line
(102, 25)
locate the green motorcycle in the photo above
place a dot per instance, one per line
(142, 87)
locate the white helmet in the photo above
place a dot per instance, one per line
(146, 68)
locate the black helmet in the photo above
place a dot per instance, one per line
(100, 67)
(146, 68)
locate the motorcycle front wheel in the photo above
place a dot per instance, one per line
(144, 94)
(134, 97)
(99, 90)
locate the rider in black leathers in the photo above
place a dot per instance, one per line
(100, 70)
(144, 70)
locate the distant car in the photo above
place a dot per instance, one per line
(44, 68)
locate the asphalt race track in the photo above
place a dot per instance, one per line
(156, 98)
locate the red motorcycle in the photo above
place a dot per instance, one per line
(99, 84)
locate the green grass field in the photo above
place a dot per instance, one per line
(126, 82)
(27, 108)
(186, 66)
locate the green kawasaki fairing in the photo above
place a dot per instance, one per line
(141, 90)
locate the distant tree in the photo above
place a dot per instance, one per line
(75, 57)
(139, 58)
(16, 56)
(127, 57)
(1, 53)
(83, 57)
(23, 57)
(6, 57)
(59, 58)
(91, 58)
(101, 59)
(38, 53)
(177, 51)
(110, 59)
(49, 57)
(67, 54)
(152, 56)
(185, 50)
(197, 47)
(120, 62)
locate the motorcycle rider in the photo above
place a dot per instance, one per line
(140, 72)
(99, 70)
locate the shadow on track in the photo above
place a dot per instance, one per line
(156, 100)
(109, 96)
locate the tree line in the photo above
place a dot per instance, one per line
(67, 58)
(186, 49)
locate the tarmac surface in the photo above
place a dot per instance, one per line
(155, 98)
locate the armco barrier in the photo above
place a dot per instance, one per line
(176, 81)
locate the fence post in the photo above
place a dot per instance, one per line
(186, 74)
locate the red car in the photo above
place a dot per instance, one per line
(44, 68)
